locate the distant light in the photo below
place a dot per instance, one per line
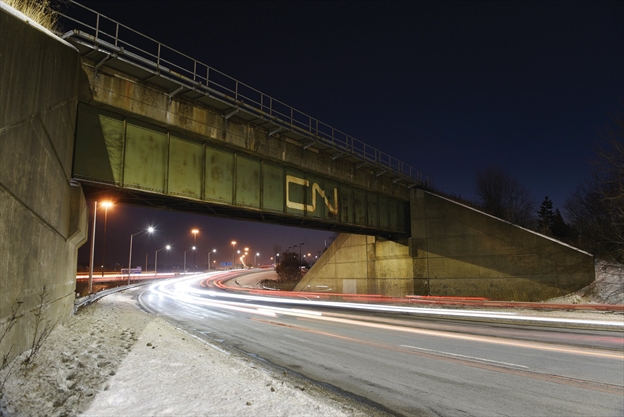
(151, 229)
(107, 204)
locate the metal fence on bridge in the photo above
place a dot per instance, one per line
(119, 42)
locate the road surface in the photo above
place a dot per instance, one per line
(412, 361)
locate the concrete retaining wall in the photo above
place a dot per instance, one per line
(461, 251)
(455, 251)
(43, 220)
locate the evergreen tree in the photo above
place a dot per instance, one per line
(560, 229)
(546, 217)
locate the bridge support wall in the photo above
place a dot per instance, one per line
(43, 219)
(454, 251)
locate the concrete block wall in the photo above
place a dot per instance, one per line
(43, 219)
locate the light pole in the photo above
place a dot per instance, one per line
(300, 245)
(193, 248)
(276, 259)
(106, 205)
(149, 230)
(213, 251)
(194, 231)
(256, 263)
(168, 247)
(92, 248)
(233, 252)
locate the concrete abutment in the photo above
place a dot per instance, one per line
(43, 218)
(454, 250)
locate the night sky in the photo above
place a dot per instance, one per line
(447, 87)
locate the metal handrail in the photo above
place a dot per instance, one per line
(186, 71)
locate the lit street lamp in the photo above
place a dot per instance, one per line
(106, 205)
(213, 251)
(233, 252)
(168, 247)
(256, 263)
(149, 230)
(193, 248)
(194, 231)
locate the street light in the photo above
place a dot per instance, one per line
(106, 205)
(149, 230)
(233, 252)
(156, 259)
(213, 251)
(300, 245)
(193, 248)
(256, 263)
(194, 231)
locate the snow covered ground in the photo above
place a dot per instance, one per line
(114, 359)
(607, 288)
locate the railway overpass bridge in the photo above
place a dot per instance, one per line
(101, 108)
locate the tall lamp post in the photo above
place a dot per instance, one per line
(149, 230)
(92, 248)
(193, 248)
(194, 231)
(168, 247)
(256, 263)
(213, 251)
(233, 252)
(106, 205)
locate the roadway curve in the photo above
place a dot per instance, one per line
(408, 360)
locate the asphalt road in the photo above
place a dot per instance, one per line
(412, 363)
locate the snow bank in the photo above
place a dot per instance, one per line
(114, 359)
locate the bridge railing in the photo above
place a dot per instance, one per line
(118, 41)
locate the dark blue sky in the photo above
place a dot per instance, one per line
(447, 87)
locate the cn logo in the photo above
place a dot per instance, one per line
(315, 190)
